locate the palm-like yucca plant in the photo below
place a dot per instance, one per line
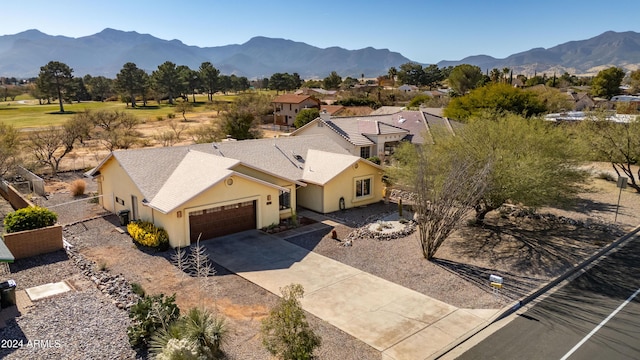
(207, 330)
(200, 327)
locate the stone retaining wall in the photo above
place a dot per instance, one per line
(24, 244)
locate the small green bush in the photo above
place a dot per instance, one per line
(375, 160)
(29, 218)
(149, 315)
(137, 289)
(147, 234)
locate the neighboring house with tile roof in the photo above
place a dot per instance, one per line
(210, 190)
(287, 106)
(378, 135)
(332, 110)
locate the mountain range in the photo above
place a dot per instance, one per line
(104, 53)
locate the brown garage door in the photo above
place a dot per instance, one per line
(222, 220)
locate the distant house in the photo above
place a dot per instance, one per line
(333, 110)
(379, 135)
(581, 100)
(408, 88)
(287, 106)
(211, 190)
(315, 92)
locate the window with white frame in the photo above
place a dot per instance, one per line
(365, 152)
(363, 187)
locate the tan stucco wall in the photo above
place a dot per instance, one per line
(314, 129)
(310, 197)
(115, 182)
(284, 214)
(292, 110)
(343, 185)
(327, 199)
(222, 194)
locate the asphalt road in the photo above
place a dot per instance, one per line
(601, 302)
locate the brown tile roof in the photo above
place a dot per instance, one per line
(293, 99)
(331, 109)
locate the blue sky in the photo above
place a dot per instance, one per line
(424, 31)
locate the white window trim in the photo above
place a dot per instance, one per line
(355, 189)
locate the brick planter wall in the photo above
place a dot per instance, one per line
(24, 244)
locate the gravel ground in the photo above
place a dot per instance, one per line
(74, 325)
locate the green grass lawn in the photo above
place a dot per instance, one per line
(25, 112)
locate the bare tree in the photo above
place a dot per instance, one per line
(9, 148)
(51, 145)
(618, 143)
(444, 198)
(116, 130)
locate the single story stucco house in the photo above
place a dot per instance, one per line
(210, 190)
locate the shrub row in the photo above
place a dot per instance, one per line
(29, 218)
(147, 234)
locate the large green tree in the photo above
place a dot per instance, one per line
(130, 81)
(190, 81)
(209, 78)
(305, 116)
(465, 77)
(533, 162)
(99, 87)
(332, 82)
(500, 97)
(56, 78)
(284, 82)
(167, 80)
(411, 73)
(607, 83)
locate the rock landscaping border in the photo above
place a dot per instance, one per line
(115, 287)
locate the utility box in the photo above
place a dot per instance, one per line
(124, 217)
(7, 293)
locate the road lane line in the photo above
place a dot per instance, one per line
(566, 356)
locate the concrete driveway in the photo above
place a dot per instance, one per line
(399, 322)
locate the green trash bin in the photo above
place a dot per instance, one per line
(124, 217)
(7, 293)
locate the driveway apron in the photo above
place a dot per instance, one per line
(399, 322)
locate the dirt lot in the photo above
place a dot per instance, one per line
(527, 252)
(90, 153)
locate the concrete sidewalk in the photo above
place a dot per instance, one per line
(399, 322)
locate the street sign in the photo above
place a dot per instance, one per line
(622, 182)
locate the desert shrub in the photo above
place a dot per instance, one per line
(147, 234)
(606, 176)
(286, 332)
(198, 335)
(375, 160)
(150, 314)
(29, 218)
(137, 289)
(77, 187)
(171, 115)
